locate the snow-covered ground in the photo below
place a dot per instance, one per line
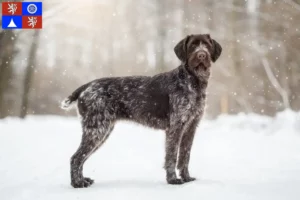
(234, 157)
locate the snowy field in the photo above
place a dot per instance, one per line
(234, 157)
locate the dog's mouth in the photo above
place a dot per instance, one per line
(201, 66)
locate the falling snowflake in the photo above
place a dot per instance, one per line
(32, 21)
(12, 8)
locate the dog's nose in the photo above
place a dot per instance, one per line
(201, 55)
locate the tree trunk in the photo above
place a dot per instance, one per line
(241, 101)
(160, 52)
(185, 17)
(29, 74)
(7, 52)
(6, 71)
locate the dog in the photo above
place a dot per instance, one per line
(173, 101)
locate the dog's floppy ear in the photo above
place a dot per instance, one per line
(217, 50)
(181, 49)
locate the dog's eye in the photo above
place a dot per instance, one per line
(195, 44)
(204, 43)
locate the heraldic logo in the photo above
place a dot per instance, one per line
(22, 15)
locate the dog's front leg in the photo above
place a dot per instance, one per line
(185, 150)
(173, 135)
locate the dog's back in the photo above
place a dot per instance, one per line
(142, 99)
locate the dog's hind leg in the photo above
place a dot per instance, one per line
(95, 133)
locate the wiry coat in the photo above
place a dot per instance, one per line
(172, 101)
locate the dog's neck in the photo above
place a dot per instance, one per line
(198, 80)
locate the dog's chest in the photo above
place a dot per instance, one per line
(196, 100)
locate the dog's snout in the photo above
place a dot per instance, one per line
(201, 55)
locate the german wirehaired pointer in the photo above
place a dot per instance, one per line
(173, 101)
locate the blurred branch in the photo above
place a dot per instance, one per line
(293, 4)
(275, 83)
(271, 77)
(266, 17)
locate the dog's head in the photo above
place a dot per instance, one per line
(198, 51)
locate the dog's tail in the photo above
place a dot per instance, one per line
(68, 102)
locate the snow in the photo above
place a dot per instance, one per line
(234, 157)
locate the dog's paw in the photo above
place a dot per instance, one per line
(175, 181)
(188, 179)
(83, 183)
